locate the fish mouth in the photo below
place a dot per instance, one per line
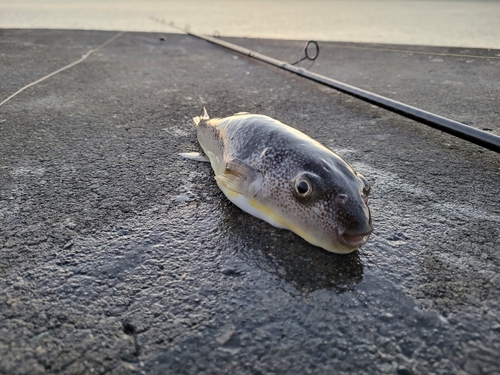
(352, 240)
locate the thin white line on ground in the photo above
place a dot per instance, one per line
(89, 52)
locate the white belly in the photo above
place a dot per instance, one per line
(251, 206)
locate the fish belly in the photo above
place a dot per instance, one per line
(252, 207)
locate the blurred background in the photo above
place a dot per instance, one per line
(465, 23)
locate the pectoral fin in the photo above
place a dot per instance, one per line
(241, 178)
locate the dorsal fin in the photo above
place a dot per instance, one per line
(204, 116)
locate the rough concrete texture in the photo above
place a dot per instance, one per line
(119, 257)
(446, 81)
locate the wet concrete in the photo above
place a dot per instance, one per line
(119, 257)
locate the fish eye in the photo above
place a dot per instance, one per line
(303, 188)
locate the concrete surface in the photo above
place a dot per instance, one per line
(119, 257)
(444, 80)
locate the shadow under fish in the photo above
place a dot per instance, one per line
(296, 262)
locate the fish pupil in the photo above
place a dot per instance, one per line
(302, 187)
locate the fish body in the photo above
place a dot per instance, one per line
(282, 176)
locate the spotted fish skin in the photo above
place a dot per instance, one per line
(286, 178)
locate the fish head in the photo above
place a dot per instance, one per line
(333, 205)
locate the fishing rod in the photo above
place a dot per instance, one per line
(466, 132)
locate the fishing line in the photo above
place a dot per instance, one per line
(89, 52)
(466, 132)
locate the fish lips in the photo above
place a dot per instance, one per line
(352, 240)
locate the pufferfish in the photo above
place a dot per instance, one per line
(282, 176)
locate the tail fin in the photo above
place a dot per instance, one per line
(204, 116)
